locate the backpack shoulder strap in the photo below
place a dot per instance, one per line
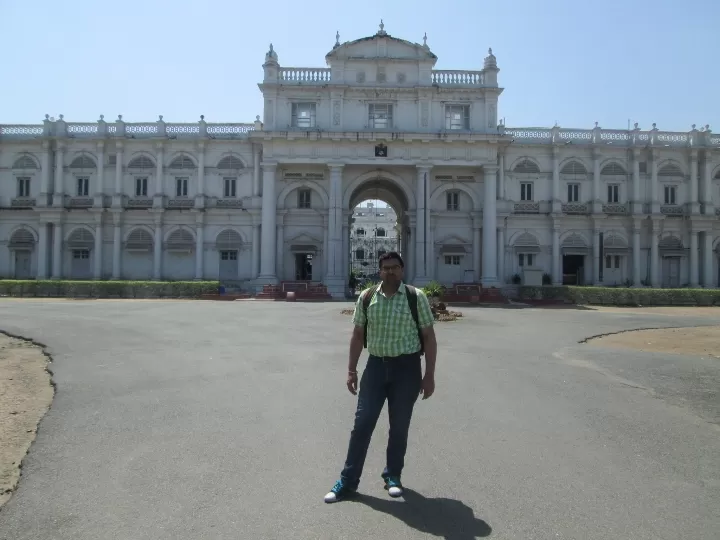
(366, 299)
(412, 304)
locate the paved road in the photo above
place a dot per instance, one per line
(201, 420)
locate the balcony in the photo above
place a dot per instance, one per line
(181, 203)
(574, 208)
(139, 203)
(80, 202)
(23, 202)
(229, 203)
(615, 209)
(672, 210)
(527, 208)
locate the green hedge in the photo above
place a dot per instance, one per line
(107, 289)
(623, 296)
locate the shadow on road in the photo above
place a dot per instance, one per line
(446, 518)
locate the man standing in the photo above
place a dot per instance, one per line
(396, 322)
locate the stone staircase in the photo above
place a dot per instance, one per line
(305, 291)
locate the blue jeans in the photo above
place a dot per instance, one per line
(397, 380)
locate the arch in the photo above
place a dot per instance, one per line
(22, 236)
(670, 167)
(26, 161)
(615, 240)
(524, 239)
(183, 161)
(612, 167)
(573, 239)
(180, 233)
(455, 187)
(83, 161)
(230, 162)
(229, 239)
(715, 175)
(717, 244)
(525, 165)
(670, 242)
(80, 237)
(139, 237)
(573, 166)
(404, 196)
(141, 161)
(317, 188)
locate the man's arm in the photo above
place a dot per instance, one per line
(427, 321)
(357, 338)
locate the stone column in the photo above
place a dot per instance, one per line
(501, 255)
(280, 250)
(431, 257)
(708, 278)
(694, 266)
(654, 256)
(199, 247)
(489, 241)
(98, 255)
(655, 199)
(410, 256)
(597, 197)
(200, 195)
(556, 201)
(59, 189)
(421, 229)
(255, 249)
(100, 179)
(596, 257)
(346, 252)
(694, 205)
(556, 259)
(118, 168)
(117, 245)
(501, 178)
(159, 170)
(57, 260)
(637, 205)
(256, 171)
(326, 258)
(707, 184)
(636, 255)
(477, 269)
(42, 263)
(158, 246)
(335, 223)
(45, 175)
(268, 231)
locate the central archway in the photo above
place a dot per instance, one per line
(376, 204)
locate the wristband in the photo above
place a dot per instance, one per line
(352, 372)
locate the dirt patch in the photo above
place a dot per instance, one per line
(25, 395)
(703, 341)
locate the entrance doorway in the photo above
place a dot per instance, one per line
(671, 272)
(228, 265)
(22, 264)
(303, 266)
(573, 267)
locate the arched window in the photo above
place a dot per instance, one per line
(380, 232)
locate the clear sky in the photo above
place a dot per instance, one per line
(573, 62)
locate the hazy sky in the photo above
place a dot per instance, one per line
(573, 62)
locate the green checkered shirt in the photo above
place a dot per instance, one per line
(391, 330)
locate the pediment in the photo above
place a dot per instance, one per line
(453, 239)
(380, 46)
(306, 239)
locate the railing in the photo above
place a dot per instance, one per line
(671, 210)
(614, 208)
(527, 208)
(304, 75)
(574, 208)
(23, 202)
(457, 78)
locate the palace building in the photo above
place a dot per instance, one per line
(472, 200)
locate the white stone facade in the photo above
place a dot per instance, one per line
(475, 200)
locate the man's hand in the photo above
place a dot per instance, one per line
(427, 387)
(352, 382)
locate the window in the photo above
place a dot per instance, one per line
(613, 193)
(141, 183)
(23, 183)
(381, 252)
(83, 186)
(81, 254)
(380, 232)
(229, 186)
(303, 115)
(670, 194)
(228, 255)
(457, 117)
(526, 191)
(573, 193)
(181, 186)
(380, 116)
(359, 254)
(612, 261)
(303, 198)
(525, 259)
(452, 260)
(452, 198)
(360, 232)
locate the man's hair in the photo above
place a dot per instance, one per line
(389, 256)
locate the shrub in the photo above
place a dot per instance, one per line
(108, 289)
(433, 290)
(619, 296)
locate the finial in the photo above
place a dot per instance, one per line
(61, 117)
(160, 118)
(596, 124)
(654, 125)
(119, 117)
(337, 37)
(425, 40)
(202, 117)
(271, 48)
(636, 125)
(47, 117)
(707, 127)
(382, 25)
(102, 117)
(257, 118)
(490, 51)
(693, 126)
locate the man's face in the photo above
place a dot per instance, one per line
(391, 271)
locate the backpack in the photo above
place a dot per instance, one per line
(412, 304)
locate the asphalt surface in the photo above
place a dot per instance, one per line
(211, 420)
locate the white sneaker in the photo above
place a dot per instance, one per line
(393, 486)
(338, 492)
